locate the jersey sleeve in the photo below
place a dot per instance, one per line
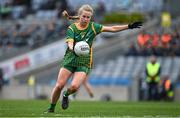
(98, 28)
(69, 34)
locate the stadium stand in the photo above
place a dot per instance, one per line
(127, 68)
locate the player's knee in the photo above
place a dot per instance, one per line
(59, 86)
(74, 87)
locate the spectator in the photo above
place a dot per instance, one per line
(155, 44)
(167, 89)
(165, 42)
(143, 43)
(165, 39)
(142, 39)
(153, 70)
(155, 40)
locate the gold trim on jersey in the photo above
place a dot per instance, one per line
(71, 28)
(93, 28)
(91, 57)
(80, 28)
(70, 39)
(102, 29)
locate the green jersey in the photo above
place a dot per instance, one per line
(76, 35)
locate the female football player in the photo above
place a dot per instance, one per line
(78, 66)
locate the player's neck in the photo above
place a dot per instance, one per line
(82, 26)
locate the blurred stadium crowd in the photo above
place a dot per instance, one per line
(53, 8)
(31, 34)
(160, 43)
(34, 22)
(38, 22)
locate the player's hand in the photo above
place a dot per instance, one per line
(71, 48)
(135, 25)
(70, 45)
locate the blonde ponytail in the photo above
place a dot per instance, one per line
(85, 7)
(65, 14)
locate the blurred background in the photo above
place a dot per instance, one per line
(32, 45)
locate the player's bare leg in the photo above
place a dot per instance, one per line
(88, 87)
(63, 76)
(78, 78)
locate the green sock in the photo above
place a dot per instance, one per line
(52, 106)
(66, 94)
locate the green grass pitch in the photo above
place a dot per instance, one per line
(93, 109)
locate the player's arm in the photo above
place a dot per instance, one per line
(117, 28)
(70, 45)
(70, 38)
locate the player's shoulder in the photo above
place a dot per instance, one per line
(71, 27)
(96, 24)
(72, 24)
